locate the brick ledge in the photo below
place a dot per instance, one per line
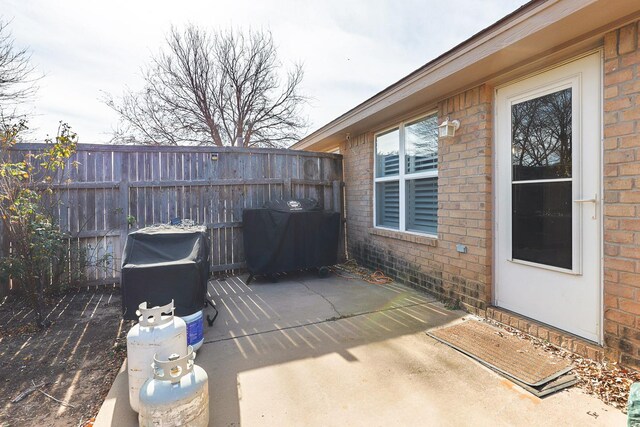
(407, 237)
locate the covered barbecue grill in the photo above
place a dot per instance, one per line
(164, 263)
(289, 235)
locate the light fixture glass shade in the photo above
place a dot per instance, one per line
(448, 128)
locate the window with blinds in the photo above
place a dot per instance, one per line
(406, 177)
(422, 205)
(388, 204)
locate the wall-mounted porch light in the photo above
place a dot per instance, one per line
(448, 128)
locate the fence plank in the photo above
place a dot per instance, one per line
(4, 250)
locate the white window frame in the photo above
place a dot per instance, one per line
(402, 176)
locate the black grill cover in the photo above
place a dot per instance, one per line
(164, 263)
(289, 235)
(294, 205)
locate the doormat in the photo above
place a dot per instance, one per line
(517, 359)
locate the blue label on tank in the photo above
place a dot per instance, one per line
(194, 330)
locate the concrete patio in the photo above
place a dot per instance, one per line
(318, 352)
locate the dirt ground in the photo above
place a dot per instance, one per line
(77, 358)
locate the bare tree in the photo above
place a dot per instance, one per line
(16, 83)
(541, 135)
(223, 88)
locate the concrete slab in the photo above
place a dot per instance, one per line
(300, 299)
(335, 352)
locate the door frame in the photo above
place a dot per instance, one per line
(600, 211)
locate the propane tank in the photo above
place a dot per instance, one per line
(154, 334)
(177, 395)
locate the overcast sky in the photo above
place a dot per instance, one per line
(350, 49)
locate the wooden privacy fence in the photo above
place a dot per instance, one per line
(114, 189)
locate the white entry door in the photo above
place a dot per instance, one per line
(548, 197)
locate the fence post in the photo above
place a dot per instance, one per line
(338, 206)
(123, 203)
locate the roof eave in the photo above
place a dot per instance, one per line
(532, 19)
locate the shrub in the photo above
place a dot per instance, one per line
(40, 254)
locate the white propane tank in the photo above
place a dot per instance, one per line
(195, 326)
(177, 395)
(155, 334)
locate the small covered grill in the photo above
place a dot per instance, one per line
(164, 263)
(289, 235)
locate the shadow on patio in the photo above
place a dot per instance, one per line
(301, 317)
(309, 351)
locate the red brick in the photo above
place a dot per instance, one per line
(611, 197)
(619, 210)
(631, 114)
(629, 306)
(611, 353)
(619, 156)
(629, 169)
(610, 301)
(630, 224)
(630, 252)
(621, 265)
(630, 279)
(618, 237)
(611, 65)
(543, 333)
(618, 184)
(620, 76)
(632, 141)
(620, 290)
(630, 88)
(620, 129)
(610, 143)
(612, 250)
(611, 117)
(555, 338)
(627, 41)
(619, 317)
(631, 59)
(619, 103)
(611, 277)
(610, 170)
(594, 353)
(611, 92)
(611, 328)
(611, 45)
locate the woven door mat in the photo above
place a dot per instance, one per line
(505, 353)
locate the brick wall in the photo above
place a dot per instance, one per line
(464, 206)
(465, 169)
(622, 195)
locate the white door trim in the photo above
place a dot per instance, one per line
(599, 210)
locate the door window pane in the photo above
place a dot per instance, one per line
(541, 223)
(387, 153)
(541, 137)
(388, 204)
(422, 205)
(421, 145)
